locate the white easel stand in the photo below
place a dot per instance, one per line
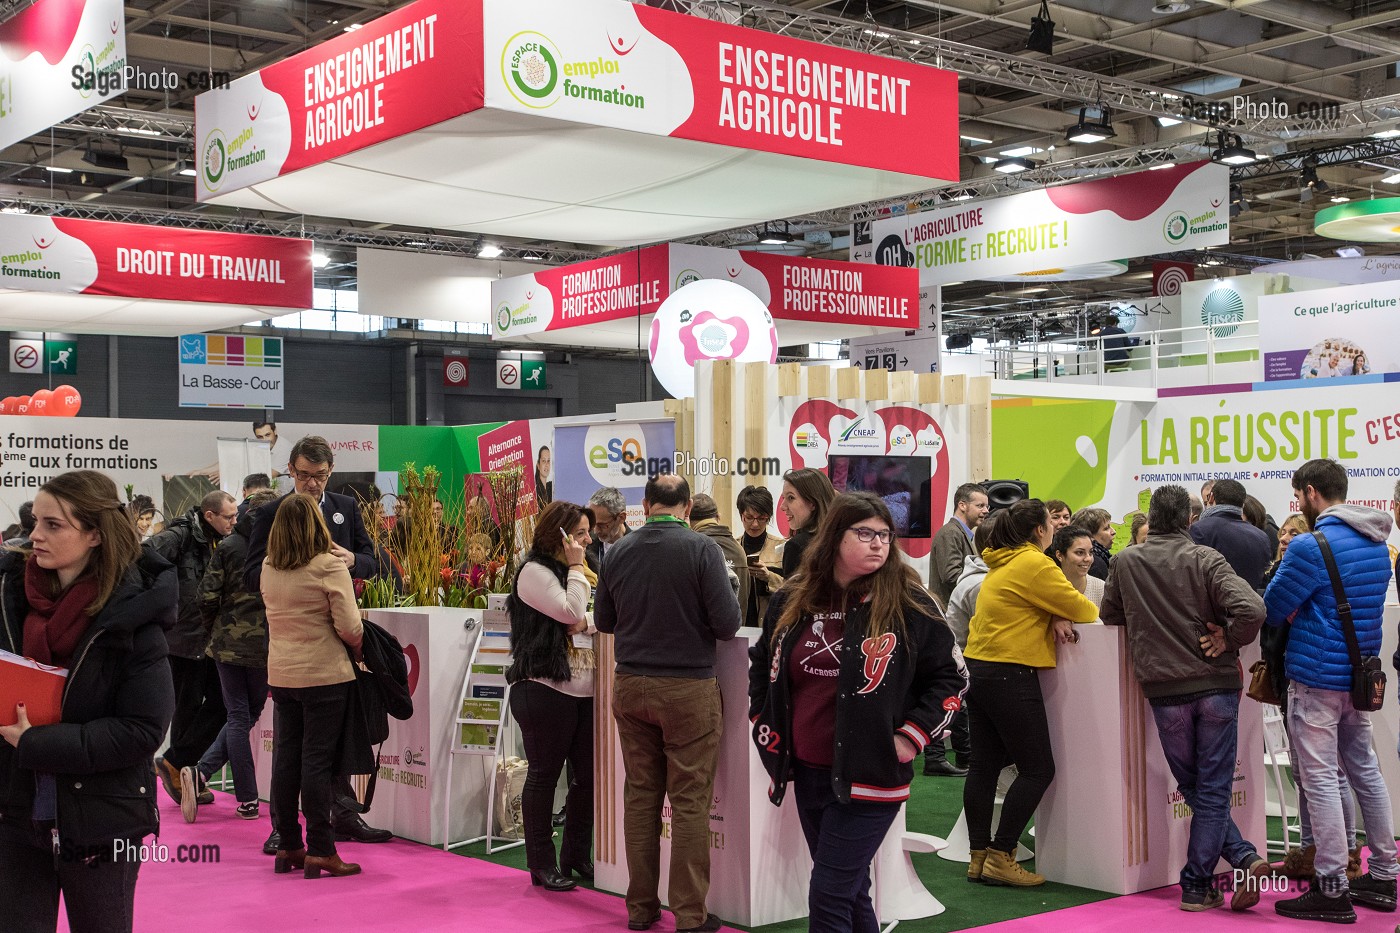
(898, 891)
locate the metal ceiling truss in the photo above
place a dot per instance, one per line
(1038, 77)
(324, 235)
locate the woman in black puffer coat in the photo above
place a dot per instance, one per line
(77, 796)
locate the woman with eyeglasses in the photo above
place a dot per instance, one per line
(805, 497)
(854, 673)
(1025, 606)
(551, 694)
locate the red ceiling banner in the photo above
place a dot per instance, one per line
(1168, 277)
(94, 257)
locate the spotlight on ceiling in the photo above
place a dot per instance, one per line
(489, 251)
(770, 235)
(1230, 151)
(1168, 7)
(320, 260)
(1089, 131)
(1012, 166)
(1310, 179)
(1167, 121)
(112, 161)
(1238, 205)
(957, 341)
(1042, 35)
(1350, 252)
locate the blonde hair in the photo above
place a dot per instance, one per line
(1299, 524)
(298, 533)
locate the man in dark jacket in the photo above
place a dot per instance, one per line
(1326, 730)
(704, 518)
(666, 597)
(311, 464)
(1222, 526)
(609, 525)
(1170, 593)
(188, 543)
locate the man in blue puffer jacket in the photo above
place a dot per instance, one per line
(1326, 730)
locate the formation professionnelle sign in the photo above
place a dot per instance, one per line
(1049, 229)
(595, 62)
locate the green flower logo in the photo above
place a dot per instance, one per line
(530, 69)
(503, 318)
(1223, 310)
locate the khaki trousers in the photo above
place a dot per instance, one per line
(669, 728)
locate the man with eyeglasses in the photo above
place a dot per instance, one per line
(310, 465)
(609, 525)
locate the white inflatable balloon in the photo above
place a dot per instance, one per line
(708, 320)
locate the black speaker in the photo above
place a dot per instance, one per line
(1004, 493)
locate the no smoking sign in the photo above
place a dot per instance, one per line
(26, 356)
(507, 374)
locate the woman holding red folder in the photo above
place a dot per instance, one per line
(77, 794)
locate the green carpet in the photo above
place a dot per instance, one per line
(933, 808)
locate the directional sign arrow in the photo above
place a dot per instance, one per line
(904, 362)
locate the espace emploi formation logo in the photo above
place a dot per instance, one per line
(537, 75)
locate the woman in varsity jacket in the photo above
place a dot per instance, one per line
(855, 672)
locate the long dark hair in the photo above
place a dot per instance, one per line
(814, 487)
(89, 500)
(557, 516)
(894, 589)
(1017, 525)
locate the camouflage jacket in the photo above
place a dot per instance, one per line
(237, 617)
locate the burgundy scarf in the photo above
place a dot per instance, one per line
(55, 624)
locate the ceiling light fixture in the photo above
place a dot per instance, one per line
(1168, 121)
(1087, 131)
(1338, 199)
(1391, 179)
(489, 251)
(1310, 178)
(1013, 166)
(320, 260)
(59, 170)
(110, 161)
(1230, 151)
(1020, 152)
(189, 172)
(978, 140)
(16, 209)
(353, 26)
(1350, 252)
(1042, 35)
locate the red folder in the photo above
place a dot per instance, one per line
(38, 686)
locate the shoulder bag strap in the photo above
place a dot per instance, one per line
(1343, 607)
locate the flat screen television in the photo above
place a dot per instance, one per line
(903, 482)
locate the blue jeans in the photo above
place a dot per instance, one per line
(245, 694)
(1327, 732)
(843, 839)
(1199, 741)
(1305, 834)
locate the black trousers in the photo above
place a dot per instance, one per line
(199, 710)
(555, 727)
(961, 738)
(307, 723)
(1007, 716)
(98, 892)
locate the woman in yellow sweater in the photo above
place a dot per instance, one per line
(311, 620)
(1026, 605)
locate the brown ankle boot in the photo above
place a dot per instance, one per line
(288, 860)
(1002, 868)
(331, 864)
(974, 867)
(1298, 863)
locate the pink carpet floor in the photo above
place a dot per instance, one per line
(404, 886)
(407, 886)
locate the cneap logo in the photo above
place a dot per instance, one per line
(1176, 227)
(855, 432)
(530, 69)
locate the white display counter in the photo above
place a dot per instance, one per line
(759, 863)
(1112, 819)
(408, 799)
(1385, 722)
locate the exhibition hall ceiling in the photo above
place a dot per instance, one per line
(1286, 60)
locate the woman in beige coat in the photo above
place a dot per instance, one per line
(311, 618)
